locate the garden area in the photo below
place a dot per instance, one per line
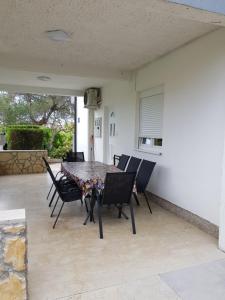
(37, 122)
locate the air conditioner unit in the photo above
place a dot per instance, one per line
(92, 98)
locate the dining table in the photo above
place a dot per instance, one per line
(90, 177)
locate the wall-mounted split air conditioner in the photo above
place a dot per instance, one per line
(92, 98)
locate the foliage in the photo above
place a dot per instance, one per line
(47, 138)
(35, 109)
(22, 138)
(62, 143)
(39, 122)
(33, 137)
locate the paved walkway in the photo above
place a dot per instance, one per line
(72, 263)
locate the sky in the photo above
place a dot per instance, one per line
(217, 6)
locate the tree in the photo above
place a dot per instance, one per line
(55, 111)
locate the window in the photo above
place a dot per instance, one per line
(150, 119)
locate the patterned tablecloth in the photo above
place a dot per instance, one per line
(88, 175)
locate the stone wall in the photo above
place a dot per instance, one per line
(22, 162)
(13, 259)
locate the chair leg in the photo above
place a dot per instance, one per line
(85, 202)
(58, 215)
(132, 218)
(54, 207)
(100, 220)
(53, 196)
(49, 191)
(88, 216)
(146, 198)
(136, 199)
(120, 212)
(125, 216)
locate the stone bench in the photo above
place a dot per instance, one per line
(22, 161)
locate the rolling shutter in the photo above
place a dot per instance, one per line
(151, 114)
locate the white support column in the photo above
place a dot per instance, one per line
(222, 208)
(91, 155)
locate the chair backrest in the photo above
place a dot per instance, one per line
(46, 162)
(50, 172)
(133, 164)
(144, 174)
(123, 162)
(116, 159)
(74, 156)
(118, 188)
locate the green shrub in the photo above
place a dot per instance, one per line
(25, 138)
(47, 139)
(62, 144)
(35, 137)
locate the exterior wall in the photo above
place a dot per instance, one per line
(22, 162)
(101, 143)
(189, 171)
(13, 256)
(119, 98)
(82, 127)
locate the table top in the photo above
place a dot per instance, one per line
(88, 174)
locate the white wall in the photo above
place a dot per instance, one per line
(190, 169)
(82, 127)
(118, 97)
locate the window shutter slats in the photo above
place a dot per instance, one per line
(151, 109)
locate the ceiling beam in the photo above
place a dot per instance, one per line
(40, 90)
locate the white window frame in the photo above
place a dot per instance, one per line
(150, 148)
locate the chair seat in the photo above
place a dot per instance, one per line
(74, 194)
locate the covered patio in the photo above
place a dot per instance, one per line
(71, 262)
(152, 76)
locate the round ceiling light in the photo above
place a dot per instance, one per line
(44, 78)
(58, 35)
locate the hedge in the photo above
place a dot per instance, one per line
(25, 138)
(35, 137)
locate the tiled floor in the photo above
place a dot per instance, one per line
(72, 263)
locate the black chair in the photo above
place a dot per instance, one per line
(117, 191)
(48, 166)
(63, 180)
(123, 162)
(116, 159)
(133, 164)
(74, 157)
(142, 179)
(67, 192)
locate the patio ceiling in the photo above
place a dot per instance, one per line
(109, 38)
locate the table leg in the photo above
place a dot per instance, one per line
(90, 214)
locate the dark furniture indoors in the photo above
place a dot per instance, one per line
(117, 191)
(142, 179)
(123, 162)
